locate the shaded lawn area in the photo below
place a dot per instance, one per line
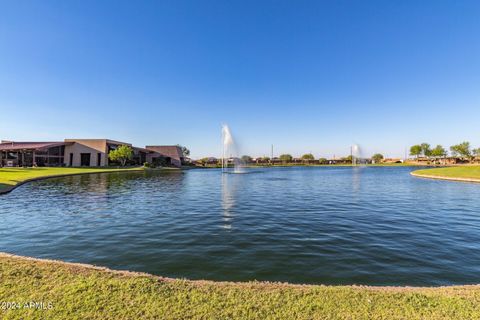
(12, 176)
(82, 292)
(472, 172)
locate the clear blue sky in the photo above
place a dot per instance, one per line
(306, 76)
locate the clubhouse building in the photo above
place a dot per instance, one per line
(83, 153)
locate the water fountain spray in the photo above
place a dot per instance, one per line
(229, 150)
(356, 154)
(227, 141)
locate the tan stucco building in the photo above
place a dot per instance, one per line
(173, 154)
(82, 153)
(89, 152)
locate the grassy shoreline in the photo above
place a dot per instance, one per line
(319, 165)
(11, 178)
(87, 292)
(457, 173)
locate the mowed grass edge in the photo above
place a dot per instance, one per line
(461, 173)
(84, 292)
(12, 177)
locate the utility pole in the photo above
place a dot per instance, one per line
(271, 155)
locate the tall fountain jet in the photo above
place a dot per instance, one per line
(227, 141)
(229, 150)
(356, 153)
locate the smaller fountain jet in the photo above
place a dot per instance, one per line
(356, 153)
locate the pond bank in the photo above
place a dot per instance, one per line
(89, 292)
(11, 178)
(462, 174)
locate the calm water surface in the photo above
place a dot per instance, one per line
(376, 226)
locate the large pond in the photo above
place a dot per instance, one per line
(330, 225)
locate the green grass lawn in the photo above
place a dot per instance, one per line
(465, 172)
(10, 177)
(80, 292)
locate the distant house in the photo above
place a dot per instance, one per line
(452, 160)
(213, 160)
(339, 161)
(439, 161)
(261, 160)
(207, 162)
(172, 154)
(276, 160)
(391, 160)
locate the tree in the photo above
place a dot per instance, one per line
(476, 152)
(204, 160)
(323, 161)
(308, 156)
(377, 157)
(286, 158)
(439, 151)
(185, 151)
(246, 159)
(426, 151)
(121, 154)
(462, 149)
(416, 150)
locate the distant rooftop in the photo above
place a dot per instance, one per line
(106, 140)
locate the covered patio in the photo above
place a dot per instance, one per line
(31, 154)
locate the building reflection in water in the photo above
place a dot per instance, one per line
(96, 191)
(97, 183)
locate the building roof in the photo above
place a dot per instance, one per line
(93, 140)
(143, 149)
(167, 151)
(18, 146)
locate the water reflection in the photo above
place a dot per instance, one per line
(229, 189)
(356, 178)
(92, 183)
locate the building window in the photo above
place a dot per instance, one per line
(99, 159)
(85, 159)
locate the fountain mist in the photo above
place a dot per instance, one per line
(357, 157)
(230, 150)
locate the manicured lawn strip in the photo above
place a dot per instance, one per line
(10, 177)
(82, 292)
(464, 172)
